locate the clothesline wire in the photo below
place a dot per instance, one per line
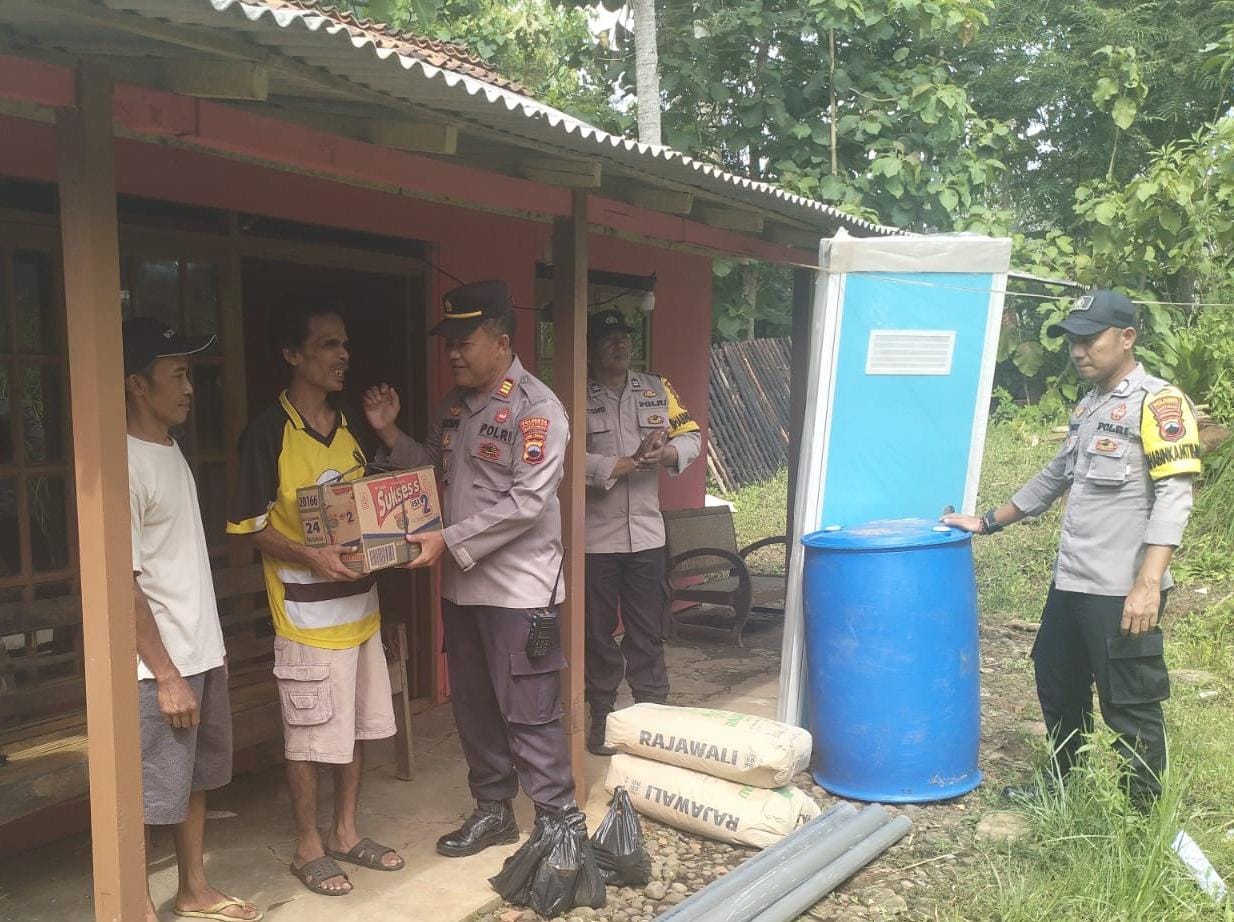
(1027, 294)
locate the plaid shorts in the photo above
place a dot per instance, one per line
(176, 762)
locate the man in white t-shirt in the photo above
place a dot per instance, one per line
(181, 664)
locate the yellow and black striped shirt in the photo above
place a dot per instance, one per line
(279, 454)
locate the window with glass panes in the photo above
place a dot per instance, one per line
(38, 545)
(600, 297)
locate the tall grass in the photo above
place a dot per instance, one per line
(1090, 856)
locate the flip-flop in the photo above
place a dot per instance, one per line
(368, 854)
(319, 870)
(216, 912)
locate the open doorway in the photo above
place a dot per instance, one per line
(384, 313)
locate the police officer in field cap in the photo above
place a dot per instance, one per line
(636, 426)
(1131, 454)
(498, 442)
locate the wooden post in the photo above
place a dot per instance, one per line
(86, 151)
(803, 302)
(570, 382)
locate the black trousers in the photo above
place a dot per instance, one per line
(633, 583)
(1080, 644)
(507, 706)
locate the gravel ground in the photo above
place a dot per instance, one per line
(913, 879)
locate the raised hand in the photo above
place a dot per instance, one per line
(381, 407)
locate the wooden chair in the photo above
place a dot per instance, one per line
(702, 543)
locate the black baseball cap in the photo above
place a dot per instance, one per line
(147, 339)
(468, 306)
(1098, 310)
(602, 323)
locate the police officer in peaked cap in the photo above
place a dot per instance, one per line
(498, 443)
(1131, 454)
(636, 427)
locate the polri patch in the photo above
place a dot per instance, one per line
(501, 415)
(1118, 412)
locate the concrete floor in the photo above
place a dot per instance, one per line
(249, 838)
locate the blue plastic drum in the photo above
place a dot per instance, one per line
(892, 654)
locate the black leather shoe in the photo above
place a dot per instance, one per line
(492, 824)
(595, 736)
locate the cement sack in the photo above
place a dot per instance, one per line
(706, 806)
(739, 747)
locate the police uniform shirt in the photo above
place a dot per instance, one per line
(500, 456)
(623, 514)
(279, 454)
(1129, 460)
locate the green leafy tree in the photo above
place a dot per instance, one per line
(1093, 88)
(850, 101)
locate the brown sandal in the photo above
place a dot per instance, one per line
(313, 874)
(368, 854)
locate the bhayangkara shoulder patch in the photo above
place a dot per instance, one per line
(1170, 435)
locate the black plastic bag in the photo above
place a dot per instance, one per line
(589, 888)
(552, 889)
(618, 843)
(514, 879)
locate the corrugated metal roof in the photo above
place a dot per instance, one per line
(444, 83)
(449, 55)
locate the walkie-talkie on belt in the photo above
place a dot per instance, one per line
(545, 634)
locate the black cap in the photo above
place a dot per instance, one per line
(147, 339)
(1098, 310)
(468, 306)
(602, 323)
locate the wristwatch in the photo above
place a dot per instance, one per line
(989, 524)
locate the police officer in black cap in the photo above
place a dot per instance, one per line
(636, 427)
(498, 442)
(1131, 453)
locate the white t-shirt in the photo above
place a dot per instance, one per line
(170, 558)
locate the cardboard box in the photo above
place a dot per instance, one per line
(373, 514)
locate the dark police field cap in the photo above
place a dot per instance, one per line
(468, 306)
(147, 339)
(603, 323)
(1096, 311)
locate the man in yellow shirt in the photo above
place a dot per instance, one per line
(333, 684)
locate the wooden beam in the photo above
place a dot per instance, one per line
(570, 382)
(92, 296)
(418, 137)
(573, 174)
(412, 135)
(733, 219)
(668, 201)
(795, 237)
(247, 80)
